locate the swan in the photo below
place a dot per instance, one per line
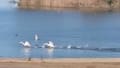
(69, 46)
(25, 44)
(50, 44)
(36, 37)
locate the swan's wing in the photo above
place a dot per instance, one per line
(22, 43)
(36, 37)
(27, 43)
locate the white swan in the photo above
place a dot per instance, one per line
(36, 37)
(69, 46)
(50, 44)
(25, 44)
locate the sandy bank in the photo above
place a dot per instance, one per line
(61, 63)
(61, 60)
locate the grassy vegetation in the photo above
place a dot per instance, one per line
(109, 2)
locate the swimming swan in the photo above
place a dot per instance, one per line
(50, 44)
(25, 44)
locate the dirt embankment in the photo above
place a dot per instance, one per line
(69, 3)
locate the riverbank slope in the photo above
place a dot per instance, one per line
(32, 4)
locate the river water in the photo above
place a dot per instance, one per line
(75, 28)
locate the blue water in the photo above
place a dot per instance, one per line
(96, 29)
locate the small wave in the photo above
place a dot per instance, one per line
(87, 48)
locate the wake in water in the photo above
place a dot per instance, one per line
(51, 45)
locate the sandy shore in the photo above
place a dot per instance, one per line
(60, 63)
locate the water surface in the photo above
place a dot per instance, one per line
(92, 30)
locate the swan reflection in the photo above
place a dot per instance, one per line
(27, 52)
(50, 52)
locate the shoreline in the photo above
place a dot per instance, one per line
(61, 60)
(83, 10)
